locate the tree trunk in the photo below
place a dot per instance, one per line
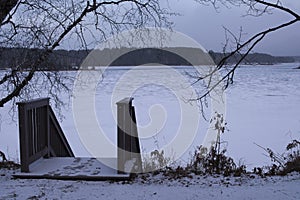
(6, 6)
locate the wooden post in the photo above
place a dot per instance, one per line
(128, 142)
(48, 130)
(23, 137)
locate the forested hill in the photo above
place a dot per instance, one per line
(254, 58)
(297, 58)
(66, 60)
(58, 60)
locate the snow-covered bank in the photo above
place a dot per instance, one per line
(157, 187)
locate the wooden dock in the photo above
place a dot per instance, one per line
(46, 153)
(72, 168)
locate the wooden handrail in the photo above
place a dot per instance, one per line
(40, 133)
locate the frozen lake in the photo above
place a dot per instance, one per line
(262, 106)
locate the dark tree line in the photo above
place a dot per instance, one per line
(10, 58)
(253, 58)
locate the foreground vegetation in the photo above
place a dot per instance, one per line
(214, 162)
(217, 162)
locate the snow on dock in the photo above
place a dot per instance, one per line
(72, 168)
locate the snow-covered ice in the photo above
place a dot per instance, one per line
(261, 108)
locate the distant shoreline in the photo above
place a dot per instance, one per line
(63, 60)
(150, 67)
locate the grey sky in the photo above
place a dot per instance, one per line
(205, 25)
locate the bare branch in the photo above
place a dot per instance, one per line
(46, 24)
(280, 7)
(240, 46)
(253, 41)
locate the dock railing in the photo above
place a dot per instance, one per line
(40, 133)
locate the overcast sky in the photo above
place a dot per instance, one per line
(205, 25)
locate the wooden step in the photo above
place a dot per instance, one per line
(72, 168)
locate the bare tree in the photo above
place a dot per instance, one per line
(45, 25)
(241, 48)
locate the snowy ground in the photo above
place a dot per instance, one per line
(157, 187)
